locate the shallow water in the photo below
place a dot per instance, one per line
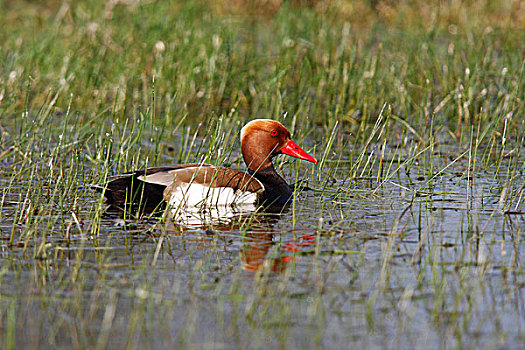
(408, 264)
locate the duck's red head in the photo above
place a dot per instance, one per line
(262, 139)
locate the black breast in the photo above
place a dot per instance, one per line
(276, 190)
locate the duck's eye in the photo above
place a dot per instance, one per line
(274, 132)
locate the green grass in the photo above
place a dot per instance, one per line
(411, 238)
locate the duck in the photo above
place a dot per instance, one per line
(197, 184)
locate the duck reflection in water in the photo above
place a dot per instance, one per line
(262, 248)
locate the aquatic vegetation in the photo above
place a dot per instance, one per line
(410, 237)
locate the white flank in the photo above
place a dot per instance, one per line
(197, 195)
(195, 203)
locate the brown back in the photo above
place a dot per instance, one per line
(214, 177)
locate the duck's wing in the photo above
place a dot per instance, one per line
(190, 184)
(201, 187)
(211, 177)
(132, 188)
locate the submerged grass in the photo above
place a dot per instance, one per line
(411, 237)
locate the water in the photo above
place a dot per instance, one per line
(408, 264)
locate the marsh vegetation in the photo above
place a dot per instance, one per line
(410, 238)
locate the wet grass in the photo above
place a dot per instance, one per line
(410, 238)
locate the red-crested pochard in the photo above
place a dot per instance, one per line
(188, 185)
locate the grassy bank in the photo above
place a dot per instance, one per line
(457, 65)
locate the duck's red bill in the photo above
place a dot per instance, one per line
(293, 150)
